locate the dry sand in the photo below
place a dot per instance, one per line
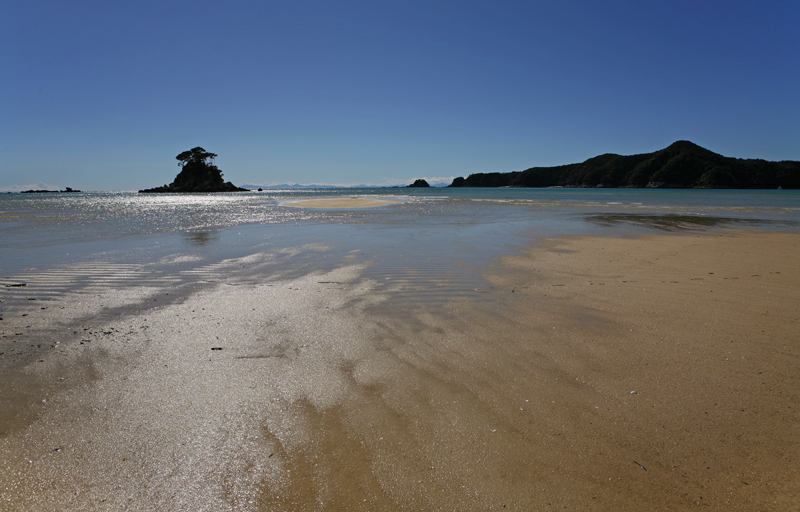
(597, 373)
(354, 202)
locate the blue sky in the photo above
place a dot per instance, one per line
(102, 95)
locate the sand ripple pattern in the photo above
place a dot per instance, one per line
(426, 286)
(51, 284)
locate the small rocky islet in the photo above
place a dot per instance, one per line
(420, 183)
(67, 190)
(198, 174)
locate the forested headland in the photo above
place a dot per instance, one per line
(681, 165)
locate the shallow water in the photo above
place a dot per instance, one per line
(39, 231)
(431, 240)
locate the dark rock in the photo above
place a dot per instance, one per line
(198, 174)
(68, 190)
(419, 183)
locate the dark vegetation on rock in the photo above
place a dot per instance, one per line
(681, 165)
(198, 174)
(419, 183)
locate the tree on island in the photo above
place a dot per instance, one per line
(198, 174)
(198, 155)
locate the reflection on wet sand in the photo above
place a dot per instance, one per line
(201, 238)
(675, 222)
(588, 373)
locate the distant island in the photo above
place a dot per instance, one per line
(67, 190)
(420, 183)
(681, 165)
(198, 174)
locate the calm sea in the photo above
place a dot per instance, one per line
(436, 230)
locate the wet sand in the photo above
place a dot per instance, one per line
(355, 202)
(603, 373)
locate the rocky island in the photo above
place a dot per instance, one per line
(67, 190)
(420, 183)
(681, 165)
(198, 174)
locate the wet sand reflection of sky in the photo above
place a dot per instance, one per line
(681, 222)
(201, 238)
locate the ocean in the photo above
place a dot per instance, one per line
(61, 241)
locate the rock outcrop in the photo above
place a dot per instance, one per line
(198, 174)
(419, 183)
(67, 190)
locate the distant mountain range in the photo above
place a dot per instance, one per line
(681, 165)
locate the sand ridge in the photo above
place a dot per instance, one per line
(349, 202)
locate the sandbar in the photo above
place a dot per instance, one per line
(350, 202)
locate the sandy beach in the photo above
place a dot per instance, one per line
(652, 372)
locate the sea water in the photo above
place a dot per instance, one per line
(39, 230)
(428, 232)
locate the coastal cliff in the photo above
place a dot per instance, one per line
(681, 165)
(198, 174)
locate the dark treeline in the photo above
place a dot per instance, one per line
(681, 165)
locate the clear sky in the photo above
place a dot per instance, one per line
(102, 95)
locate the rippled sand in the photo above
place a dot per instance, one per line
(604, 373)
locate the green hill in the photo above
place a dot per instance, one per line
(681, 165)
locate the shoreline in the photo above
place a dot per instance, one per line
(333, 391)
